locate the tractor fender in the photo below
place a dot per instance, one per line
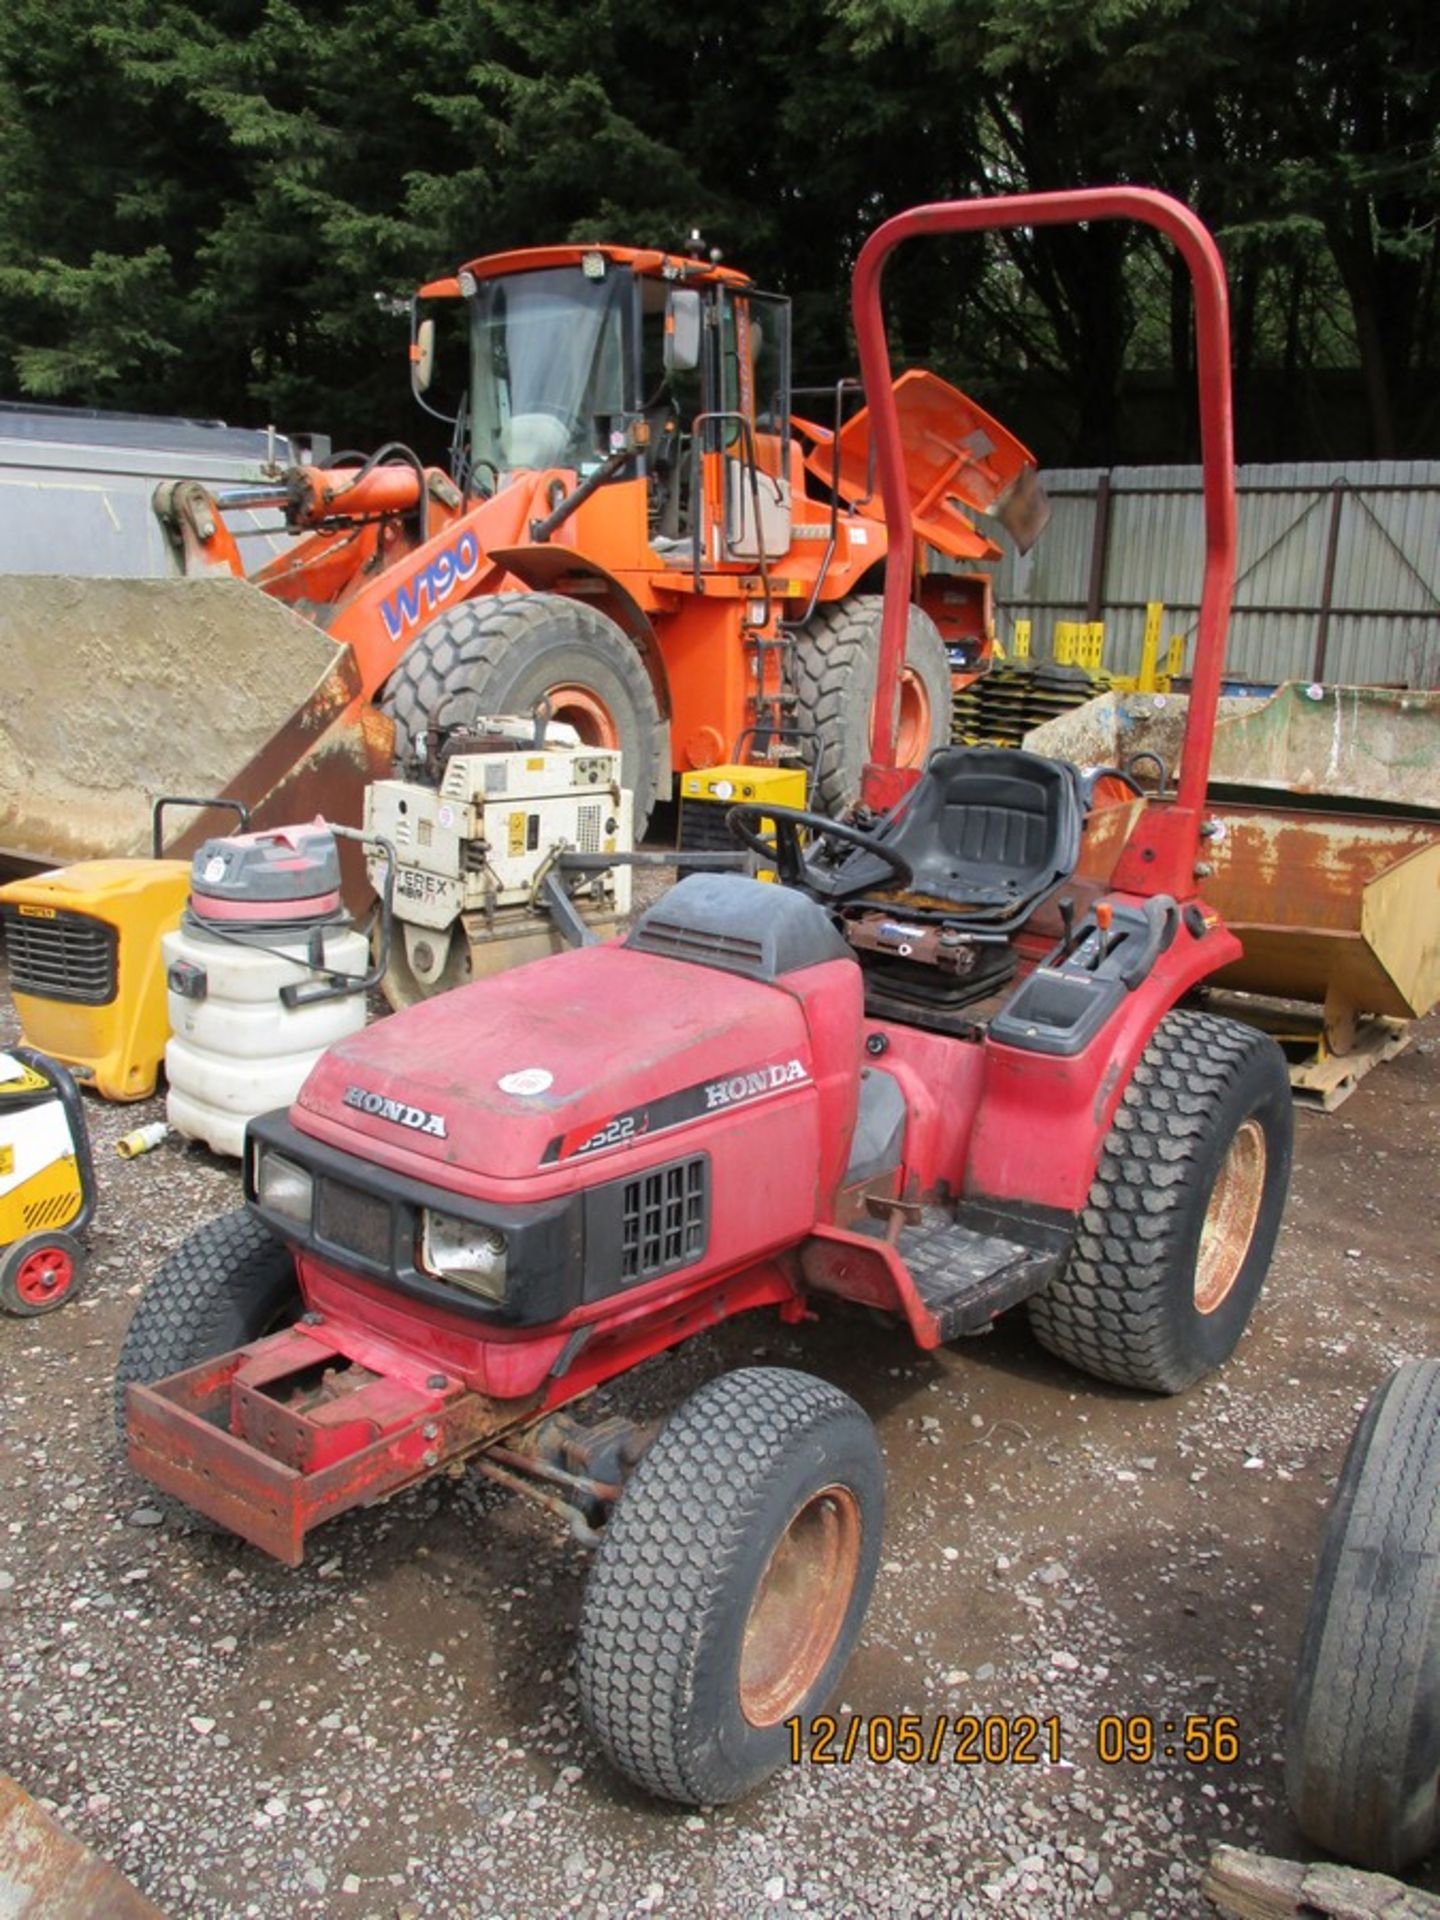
(547, 569)
(1042, 1119)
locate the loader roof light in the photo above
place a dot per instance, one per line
(465, 1253)
(592, 265)
(468, 283)
(283, 1187)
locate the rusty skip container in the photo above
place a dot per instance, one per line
(1327, 859)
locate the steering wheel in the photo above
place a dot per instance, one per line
(787, 856)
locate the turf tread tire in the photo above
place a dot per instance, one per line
(835, 659)
(230, 1282)
(1363, 1742)
(1122, 1309)
(652, 1676)
(488, 655)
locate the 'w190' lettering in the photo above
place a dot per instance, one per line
(431, 586)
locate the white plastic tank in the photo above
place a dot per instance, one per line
(264, 915)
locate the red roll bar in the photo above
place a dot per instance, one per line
(884, 783)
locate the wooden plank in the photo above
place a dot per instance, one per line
(1319, 1079)
(1257, 1886)
(1330, 1078)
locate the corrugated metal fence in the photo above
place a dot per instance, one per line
(1338, 578)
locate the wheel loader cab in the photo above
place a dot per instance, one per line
(576, 354)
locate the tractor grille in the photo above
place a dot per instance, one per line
(355, 1222)
(664, 1217)
(71, 957)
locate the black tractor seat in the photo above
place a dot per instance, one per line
(988, 833)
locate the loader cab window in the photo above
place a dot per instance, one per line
(670, 398)
(744, 376)
(754, 386)
(547, 358)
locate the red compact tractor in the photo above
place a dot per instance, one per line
(942, 1069)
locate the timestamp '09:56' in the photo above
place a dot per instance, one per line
(1138, 1738)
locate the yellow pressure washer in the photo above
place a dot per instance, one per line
(47, 1183)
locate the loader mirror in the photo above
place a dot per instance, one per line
(682, 330)
(422, 356)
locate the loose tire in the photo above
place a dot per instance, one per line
(1363, 1747)
(40, 1272)
(730, 1583)
(503, 653)
(231, 1282)
(1176, 1235)
(836, 658)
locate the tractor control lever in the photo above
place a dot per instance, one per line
(1104, 919)
(1067, 924)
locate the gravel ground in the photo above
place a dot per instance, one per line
(392, 1730)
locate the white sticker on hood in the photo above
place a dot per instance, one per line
(528, 1080)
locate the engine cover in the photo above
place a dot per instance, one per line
(517, 1081)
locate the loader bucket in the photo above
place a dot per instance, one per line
(956, 456)
(119, 691)
(1328, 861)
(47, 1874)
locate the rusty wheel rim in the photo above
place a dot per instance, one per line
(1230, 1218)
(912, 732)
(583, 709)
(799, 1606)
(44, 1276)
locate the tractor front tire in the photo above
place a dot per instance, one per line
(1362, 1763)
(730, 1583)
(1174, 1240)
(504, 652)
(230, 1283)
(836, 658)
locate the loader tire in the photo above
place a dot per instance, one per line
(1174, 1240)
(1362, 1766)
(730, 1583)
(504, 652)
(231, 1282)
(835, 659)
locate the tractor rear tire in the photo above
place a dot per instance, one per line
(1362, 1763)
(230, 1283)
(504, 652)
(836, 657)
(730, 1583)
(1174, 1240)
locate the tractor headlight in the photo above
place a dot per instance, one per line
(283, 1187)
(464, 1252)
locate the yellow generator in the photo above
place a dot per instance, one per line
(47, 1183)
(706, 797)
(86, 970)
